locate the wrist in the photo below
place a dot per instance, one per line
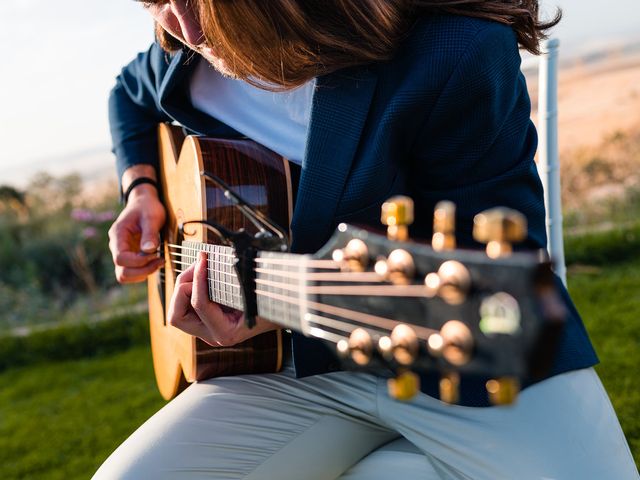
(137, 184)
(141, 191)
(138, 180)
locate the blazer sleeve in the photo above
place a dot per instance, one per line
(134, 110)
(476, 146)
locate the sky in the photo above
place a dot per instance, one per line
(60, 59)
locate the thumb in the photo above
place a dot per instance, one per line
(149, 236)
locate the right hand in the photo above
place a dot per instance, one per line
(134, 236)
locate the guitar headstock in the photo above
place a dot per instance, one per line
(403, 307)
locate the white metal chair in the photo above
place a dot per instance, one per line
(548, 157)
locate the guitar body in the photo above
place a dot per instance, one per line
(264, 180)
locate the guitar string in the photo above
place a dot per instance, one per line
(381, 323)
(313, 263)
(323, 321)
(339, 276)
(334, 324)
(320, 276)
(415, 291)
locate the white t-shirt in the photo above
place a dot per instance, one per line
(279, 121)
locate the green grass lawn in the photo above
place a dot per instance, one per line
(61, 419)
(609, 301)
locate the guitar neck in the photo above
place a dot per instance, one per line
(280, 280)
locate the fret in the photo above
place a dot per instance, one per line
(276, 306)
(223, 276)
(272, 304)
(286, 310)
(272, 313)
(212, 274)
(229, 283)
(216, 274)
(224, 279)
(281, 307)
(229, 287)
(292, 281)
(220, 275)
(211, 265)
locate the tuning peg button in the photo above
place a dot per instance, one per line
(397, 214)
(405, 386)
(405, 345)
(400, 267)
(435, 344)
(381, 268)
(452, 282)
(450, 388)
(354, 257)
(360, 346)
(444, 225)
(503, 391)
(499, 228)
(455, 282)
(356, 254)
(457, 342)
(385, 347)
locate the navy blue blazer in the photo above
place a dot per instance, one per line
(448, 117)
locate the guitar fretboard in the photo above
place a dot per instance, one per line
(280, 281)
(224, 287)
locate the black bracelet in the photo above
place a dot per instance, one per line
(135, 183)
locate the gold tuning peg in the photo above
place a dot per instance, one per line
(499, 228)
(450, 388)
(444, 226)
(400, 267)
(397, 215)
(455, 282)
(356, 254)
(354, 257)
(503, 391)
(359, 347)
(405, 386)
(457, 348)
(452, 282)
(405, 344)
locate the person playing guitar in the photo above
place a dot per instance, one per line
(371, 98)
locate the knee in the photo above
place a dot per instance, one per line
(397, 459)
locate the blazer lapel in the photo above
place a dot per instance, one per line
(339, 110)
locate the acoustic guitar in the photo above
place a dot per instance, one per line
(384, 303)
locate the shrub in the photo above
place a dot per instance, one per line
(68, 342)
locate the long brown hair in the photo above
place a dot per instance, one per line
(281, 44)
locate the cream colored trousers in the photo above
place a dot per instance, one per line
(344, 425)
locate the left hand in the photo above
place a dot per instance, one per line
(192, 312)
